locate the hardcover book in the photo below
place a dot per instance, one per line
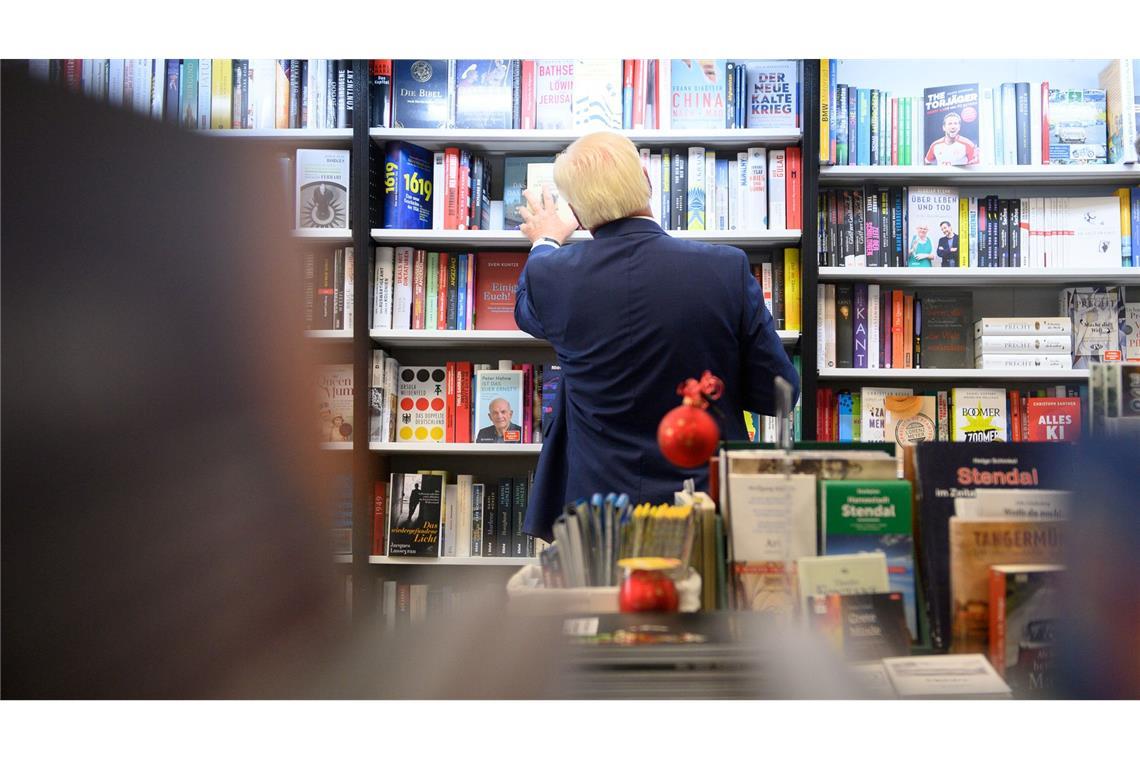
(498, 407)
(1097, 316)
(1025, 609)
(975, 545)
(1054, 419)
(863, 573)
(408, 187)
(946, 319)
(422, 415)
(484, 94)
(978, 415)
(697, 96)
(322, 189)
(950, 124)
(874, 413)
(861, 627)
(414, 506)
(948, 470)
(873, 516)
(514, 182)
(772, 94)
(540, 175)
(496, 275)
(1078, 130)
(945, 677)
(933, 219)
(334, 402)
(422, 94)
(597, 93)
(554, 94)
(910, 420)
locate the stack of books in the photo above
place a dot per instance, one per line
(1023, 343)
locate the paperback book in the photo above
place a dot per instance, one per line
(422, 94)
(950, 124)
(484, 93)
(932, 214)
(597, 93)
(1025, 610)
(408, 188)
(322, 189)
(554, 94)
(496, 275)
(334, 402)
(422, 415)
(862, 627)
(1078, 127)
(514, 182)
(499, 402)
(414, 504)
(772, 95)
(697, 97)
(978, 415)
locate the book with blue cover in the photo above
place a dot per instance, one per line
(422, 94)
(408, 190)
(484, 93)
(697, 93)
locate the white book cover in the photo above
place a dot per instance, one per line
(391, 397)
(498, 405)
(402, 289)
(1023, 326)
(1009, 125)
(1131, 332)
(157, 87)
(829, 325)
(1035, 124)
(972, 205)
(115, 82)
(383, 274)
(349, 287)
(744, 215)
(945, 675)
(1023, 231)
(766, 284)
(711, 209)
(554, 93)
(732, 194)
(438, 183)
(464, 485)
(1092, 232)
(421, 413)
(322, 188)
(821, 325)
(140, 85)
(1097, 314)
(655, 184)
(597, 93)
(772, 517)
(697, 200)
(873, 423)
(986, 144)
(376, 396)
(1022, 344)
(263, 93)
(1020, 504)
(664, 85)
(757, 190)
(541, 175)
(777, 190)
(873, 318)
(978, 415)
(205, 95)
(1024, 361)
(844, 574)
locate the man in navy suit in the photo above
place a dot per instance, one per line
(631, 314)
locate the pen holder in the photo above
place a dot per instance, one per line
(646, 585)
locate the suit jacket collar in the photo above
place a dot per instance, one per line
(627, 226)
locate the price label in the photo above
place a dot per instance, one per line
(580, 626)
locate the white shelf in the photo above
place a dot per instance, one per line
(282, 135)
(515, 239)
(376, 559)
(981, 276)
(554, 140)
(334, 235)
(454, 338)
(331, 336)
(456, 448)
(337, 446)
(978, 175)
(966, 375)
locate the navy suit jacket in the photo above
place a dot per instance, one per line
(631, 314)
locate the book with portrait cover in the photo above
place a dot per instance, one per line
(945, 471)
(422, 94)
(597, 93)
(950, 124)
(484, 93)
(414, 502)
(498, 408)
(496, 275)
(421, 401)
(408, 189)
(975, 545)
(334, 402)
(554, 93)
(929, 210)
(697, 93)
(873, 516)
(1025, 609)
(322, 188)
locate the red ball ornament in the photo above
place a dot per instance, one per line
(687, 435)
(647, 591)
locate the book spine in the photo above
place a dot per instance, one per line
(452, 291)
(463, 212)
(795, 188)
(451, 193)
(824, 111)
(518, 516)
(516, 94)
(859, 337)
(627, 94)
(844, 348)
(440, 318)
(379, 517)
(777, 190)
(874, 319)
(419, 289)
(874, 127)
(527, 85)
(696, 199)
(461, 293)
(449, 403)
(1024, 362)
(679, 191)
(504, 518)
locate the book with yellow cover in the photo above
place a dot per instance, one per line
(221, 77)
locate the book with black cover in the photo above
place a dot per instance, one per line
(862, 626)
(844, 306)
(946, 335)
(947, 470)
(414, 513)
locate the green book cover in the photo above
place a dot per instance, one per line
(856, 415)
(431, 295)
(873, 516)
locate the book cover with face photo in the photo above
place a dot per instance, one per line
(950, 125)
(498, 406)
(932, 214)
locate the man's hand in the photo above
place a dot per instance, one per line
(541, 217)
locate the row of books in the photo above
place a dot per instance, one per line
(328, 288)
(901, 416)
(217, 93)
(1014, 123)
(1115, 392)
(423, 515)
(938, 227)
(400, 604)
(581, 93)
(762, 428)
(460, 401)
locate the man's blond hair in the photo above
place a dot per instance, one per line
(600, 176)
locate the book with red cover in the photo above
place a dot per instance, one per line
(449, 425)
(496, 275)
(1015, 416)
(464, 211)
(463, 402)
(1054, 419)
(379, 515)
(639, 82)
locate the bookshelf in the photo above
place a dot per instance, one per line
(454, 561)
(983, 175)
(963, 375)
(515, 239)
(553, 140)
(981, 276)
(469, 449)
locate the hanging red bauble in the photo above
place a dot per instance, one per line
(687, 436)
